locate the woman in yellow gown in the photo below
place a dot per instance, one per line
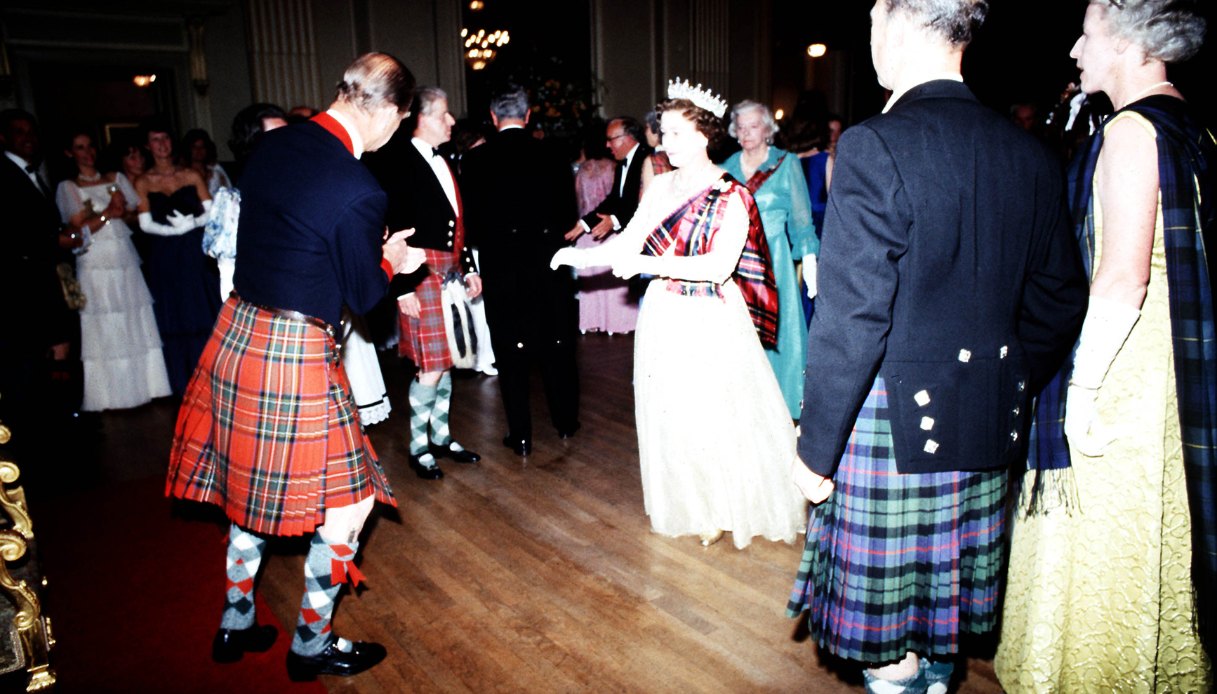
(1102, 587)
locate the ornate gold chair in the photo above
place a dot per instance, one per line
(25, 633)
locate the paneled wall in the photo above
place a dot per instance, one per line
(292, 52)
(640, 45)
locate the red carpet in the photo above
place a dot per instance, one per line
(135, 595)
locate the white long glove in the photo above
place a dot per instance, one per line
(567, 256)
(810, 267)
(1107, 325)
(178, 223)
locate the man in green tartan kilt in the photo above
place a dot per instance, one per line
(949, 290)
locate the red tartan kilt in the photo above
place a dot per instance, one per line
(268, 430)
(424, 340)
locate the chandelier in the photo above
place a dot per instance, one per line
(482, 47)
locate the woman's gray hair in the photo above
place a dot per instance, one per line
(954, 20)
(1168, 30)
(510, 102)
(375, 80)
(771, 125)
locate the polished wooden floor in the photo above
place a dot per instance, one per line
(540, 574)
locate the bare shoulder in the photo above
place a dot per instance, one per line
(1129, 136)
(190, 177)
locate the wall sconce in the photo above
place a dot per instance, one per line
(817, 50)
(143, 80)
(476, 5)
(779, 114)
(481, 47)
(6, 72)
(198, 58)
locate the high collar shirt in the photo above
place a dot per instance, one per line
(955, 76)
(356, 139)
(439, 166)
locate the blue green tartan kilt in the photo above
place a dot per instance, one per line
(900, 562)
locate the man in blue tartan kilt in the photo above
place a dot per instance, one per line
(949, 291)
(423, 195)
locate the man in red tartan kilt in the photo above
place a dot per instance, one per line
(268, 430)
(423, 195)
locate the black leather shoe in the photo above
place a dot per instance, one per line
(568, 432)
(331, 661)
(230, 645)
(461, 456)
(519, 445)
(426, 472)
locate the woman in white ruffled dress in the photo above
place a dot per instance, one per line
(119, 342)
(715, 439)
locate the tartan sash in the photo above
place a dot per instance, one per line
(1186, 153)
(693, 226)
(758, 178)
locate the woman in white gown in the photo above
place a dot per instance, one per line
(714, 437)
(119, 342)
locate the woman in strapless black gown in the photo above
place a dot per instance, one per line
(183, 280)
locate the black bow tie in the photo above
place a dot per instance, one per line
(42, 186)
(435, 152)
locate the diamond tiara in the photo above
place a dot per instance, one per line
(704, 98)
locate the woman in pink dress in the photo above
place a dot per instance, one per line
(605, 303)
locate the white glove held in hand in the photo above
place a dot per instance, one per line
(1107, 325)
(809, 275)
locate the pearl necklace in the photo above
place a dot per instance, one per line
(1150, 88)
(89, 179)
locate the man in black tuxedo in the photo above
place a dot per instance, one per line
(423, 196)
(521, 198)
(950, 289)
(624, 135)
(42, 327)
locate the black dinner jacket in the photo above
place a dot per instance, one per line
(311, 229)
(416, 200)
(618, 205)
(519, 197)
(38, 316)
(948, 268)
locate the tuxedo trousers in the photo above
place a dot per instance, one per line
(533, 318)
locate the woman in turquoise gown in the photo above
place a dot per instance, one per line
(776, 180)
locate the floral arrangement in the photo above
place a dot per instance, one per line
(564, 104)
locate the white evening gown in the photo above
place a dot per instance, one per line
(119, 343)
(715, 439)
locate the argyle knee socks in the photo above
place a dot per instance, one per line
(440, 435)
(422, 404)
(326, 568)
(937, 675)
(244, 558)
(913, 684)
